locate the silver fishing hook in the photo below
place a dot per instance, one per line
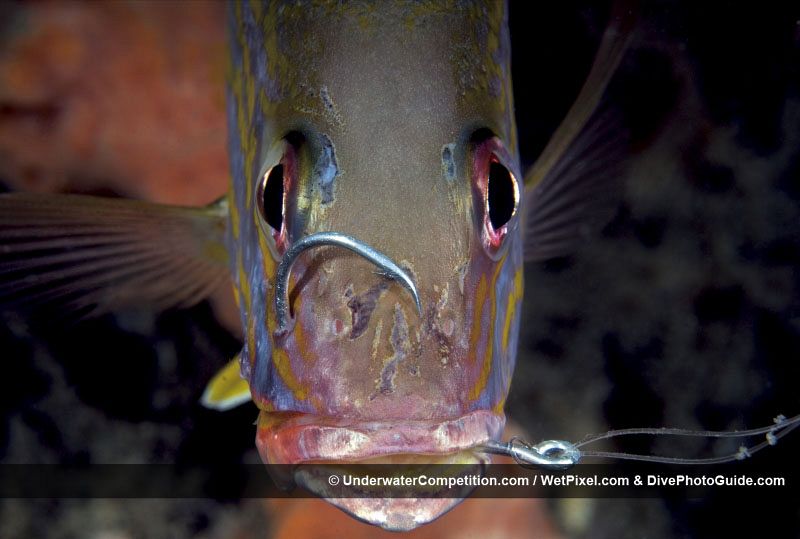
(387, 268)
(550, 454)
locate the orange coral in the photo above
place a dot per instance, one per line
(127, 97)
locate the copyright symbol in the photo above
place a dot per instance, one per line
(333, 480)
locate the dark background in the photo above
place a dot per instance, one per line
(682, 311)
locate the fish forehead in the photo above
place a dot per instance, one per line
(391, 85)
(281, 51)
(293, 45)
(399, 100)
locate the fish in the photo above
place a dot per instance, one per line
(375, 232)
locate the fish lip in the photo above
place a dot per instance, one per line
(304, 438)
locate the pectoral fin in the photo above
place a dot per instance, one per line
(90, 255)
(227, 389)
(578, 171)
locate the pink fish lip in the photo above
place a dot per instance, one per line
(305, 438)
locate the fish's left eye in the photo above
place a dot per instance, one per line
(496, 190)
(502, 195)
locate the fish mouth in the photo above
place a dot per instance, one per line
(301, 438)
(316, 445)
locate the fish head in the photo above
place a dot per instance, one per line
(393, 124)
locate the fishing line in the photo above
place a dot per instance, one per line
(561, 454)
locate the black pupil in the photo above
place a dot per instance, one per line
(501, 195)
(273, 198)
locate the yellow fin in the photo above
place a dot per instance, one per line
(227, 389)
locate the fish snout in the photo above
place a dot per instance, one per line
(359, 346)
